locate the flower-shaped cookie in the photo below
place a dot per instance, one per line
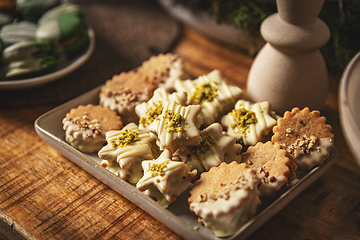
(126, 147)
(274, 166)
(164, 178)
(210, 152)
(249, 123)
(225, 197)
(176, 127)
(305, 135)
(150, 110)
(163, 70)
(212, 93)
(122, 93)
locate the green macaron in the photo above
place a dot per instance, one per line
(28, 57)
(56, 12)
(26, 50)
(32, 10)
(67, 32)
(29, 66)
(18, 31)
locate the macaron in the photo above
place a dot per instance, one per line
(18, 31)
(5, 19)
(32, 10)
(63, 9)
(65, 29)
(29, 66)
(26, 50)
(27, 57)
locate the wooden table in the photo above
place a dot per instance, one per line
(45, 196)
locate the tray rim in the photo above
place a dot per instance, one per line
(148, 205)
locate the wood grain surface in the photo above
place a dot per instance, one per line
(45, 196)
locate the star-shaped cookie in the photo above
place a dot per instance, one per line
(176, 127)
(168, 176)
(210, 152)
(150, 110)
(212, 93)
(248, 123)
(126, 147)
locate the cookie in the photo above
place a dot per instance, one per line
(163, 70)
(225, 198)
(275, 167)
(212, 93)
(150, 110)
(249, 123)
(165, 178)
(305, 135)
(122, 93)
(211, 150)
(175, 127)
(86, 127)
(125, 150)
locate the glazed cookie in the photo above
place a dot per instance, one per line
(248, 123)
(210, 152)
(165, 178)
(225, 198)
(86, 127)
(123, 92)
(305, 135)
(212, 93)
(150, 110)
(163, 70)
(175, 126)
(275, 167)
(125, 150)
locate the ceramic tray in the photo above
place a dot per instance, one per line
(177, 216)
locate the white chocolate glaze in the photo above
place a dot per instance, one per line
(169, 177)
(161, 96)
(268, 187)
(127, 156)
(224, 215)
(176, 71)
(320, 152)
(254, 131)
(225, 98)
(89, 137)
(210, 152)
(124, 103)
(189, 134)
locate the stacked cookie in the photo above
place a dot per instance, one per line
(200, 134)
(44, 35)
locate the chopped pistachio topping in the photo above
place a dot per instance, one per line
(151, 114)
(127, 137)
(242, 119)
(206, 142)
(158, 169)
(206, 92)
(174, 121)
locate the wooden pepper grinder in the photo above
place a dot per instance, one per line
(290, 71)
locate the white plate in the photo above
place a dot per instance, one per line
(73, 65)
(177, 216)
(349, 105)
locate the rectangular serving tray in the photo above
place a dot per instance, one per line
(177, 216)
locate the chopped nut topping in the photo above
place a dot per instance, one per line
(303, 145)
